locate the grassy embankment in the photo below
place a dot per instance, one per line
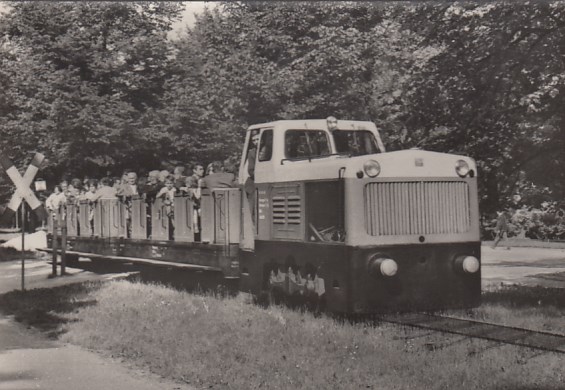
(230, 344)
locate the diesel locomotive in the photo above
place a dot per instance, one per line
(322, 215)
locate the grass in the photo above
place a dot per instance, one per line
(230, 344)
(227, 343)
(535, 308)
(47, 308)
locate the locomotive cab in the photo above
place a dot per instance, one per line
(338, 221)
(296, 160)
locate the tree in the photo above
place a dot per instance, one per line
(248, 63)
(79, 78)
(495, 91)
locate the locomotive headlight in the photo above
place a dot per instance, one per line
(382, 266)
(467, 264)
(372, 168)
(462, 168)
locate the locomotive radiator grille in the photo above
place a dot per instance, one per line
(414, 208)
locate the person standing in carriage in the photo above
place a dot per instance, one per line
(221, 178)
(125, 193)
(167, 193)
(192, 187)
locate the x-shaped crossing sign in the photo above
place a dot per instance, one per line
(23, 190)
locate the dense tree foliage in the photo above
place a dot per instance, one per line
(495, 91)
(97, 86)
(78, 78)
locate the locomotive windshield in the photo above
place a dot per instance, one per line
(306, 143)
(355, 142)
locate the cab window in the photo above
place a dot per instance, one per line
(355, 142)
(266, 146)
(306, 143)
(250, 145)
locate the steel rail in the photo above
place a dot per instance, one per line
(546, 341)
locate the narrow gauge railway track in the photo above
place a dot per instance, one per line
(544, 341)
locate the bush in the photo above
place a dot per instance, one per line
(544, 223)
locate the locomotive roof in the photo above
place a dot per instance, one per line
(315, 124)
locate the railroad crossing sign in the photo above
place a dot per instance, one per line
(23, 190)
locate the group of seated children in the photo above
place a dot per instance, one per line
(155, 185)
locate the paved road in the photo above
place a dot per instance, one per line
(524, 266)
(29, 361)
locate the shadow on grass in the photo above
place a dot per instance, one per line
(524, 297)
(47, 309)
(11, 254)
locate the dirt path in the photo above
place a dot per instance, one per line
(28, 360)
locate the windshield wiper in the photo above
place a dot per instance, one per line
(309, 158)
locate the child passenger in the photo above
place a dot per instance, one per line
(167, 193)
(91, 197)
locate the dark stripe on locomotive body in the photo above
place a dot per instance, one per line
(426, 280)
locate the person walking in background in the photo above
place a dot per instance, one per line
(502, 227)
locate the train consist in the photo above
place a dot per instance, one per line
(328, 218)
